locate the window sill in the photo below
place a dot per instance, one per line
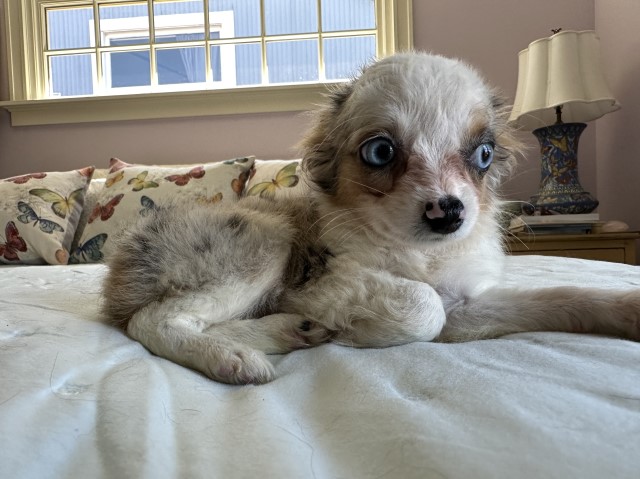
(166, 105)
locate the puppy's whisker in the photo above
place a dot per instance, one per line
(507, 232)
(339, 212)
(349, 234)
(366, 186)
(338, 226)
(325, 226)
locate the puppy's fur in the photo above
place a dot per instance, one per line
(398, 241)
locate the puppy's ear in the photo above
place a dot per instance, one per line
(321, 143)
(507, 145)
(498, 102)
(340, 95)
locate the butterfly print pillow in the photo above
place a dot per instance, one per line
(39, 215)
(130, 192)
(274, 179)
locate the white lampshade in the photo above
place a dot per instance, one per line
(562, 70)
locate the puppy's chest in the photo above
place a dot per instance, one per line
(413, 265)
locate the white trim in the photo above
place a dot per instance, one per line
(244, 100)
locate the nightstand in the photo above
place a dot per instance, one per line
(614, 247)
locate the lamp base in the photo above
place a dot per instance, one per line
(561, 204)
(560, 191)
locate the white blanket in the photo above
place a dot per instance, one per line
(80, 399)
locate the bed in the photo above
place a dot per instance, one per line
(80, 399)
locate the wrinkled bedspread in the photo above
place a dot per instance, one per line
(80, 399)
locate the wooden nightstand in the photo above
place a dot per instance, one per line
(614, 247)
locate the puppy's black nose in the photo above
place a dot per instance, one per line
(446, 216)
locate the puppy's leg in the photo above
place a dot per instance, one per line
(183, 331)
(174, 330)
(374, 308)
(575, 310)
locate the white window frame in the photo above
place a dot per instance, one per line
(220, 22)
(25, 40)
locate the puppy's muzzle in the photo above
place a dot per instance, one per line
(446, 216)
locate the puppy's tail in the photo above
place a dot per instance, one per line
(499, 312)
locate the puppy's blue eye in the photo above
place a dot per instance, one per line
(482, 157)
(378, 151)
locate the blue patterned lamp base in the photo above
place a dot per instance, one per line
(560, 191)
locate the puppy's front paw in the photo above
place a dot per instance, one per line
(241, 365)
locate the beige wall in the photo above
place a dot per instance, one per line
(487, 34)
(618, 134)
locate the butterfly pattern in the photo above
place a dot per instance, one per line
(134, 191)
(89, 251)
(20, 180)
(116, 164)
(86, 172)
(238, 184)
(104, 212)
(209, 200)
(285, 178)
(140, 182)
(28, 215)
(148, 206)
(241, 160)
(60, 205)
(13, 243)
(39, 214)
(182, 180)
(112, 180)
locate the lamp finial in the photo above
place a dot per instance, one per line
(559, 114)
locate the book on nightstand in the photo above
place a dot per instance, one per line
(555, 224)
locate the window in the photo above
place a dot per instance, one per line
(93, 60)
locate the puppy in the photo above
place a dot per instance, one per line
(397, 241)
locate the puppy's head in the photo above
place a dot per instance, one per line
(416, 146)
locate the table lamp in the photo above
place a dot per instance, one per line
(561, 86)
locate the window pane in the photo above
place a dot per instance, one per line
(290, 16)
(129, 21)
(343, 57)
(126, 69)
(295, 61)
(71, 75)
(248, 64)
(180, 65)
(245, 16)
(181, 19)
(348, 15)
(70, 28)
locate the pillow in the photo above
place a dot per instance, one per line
(39, 214)
(131, 191)
(90, 201)
(277, 179)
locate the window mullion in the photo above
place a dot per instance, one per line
(263, 44)
(152, 45)
(208, 68)
(321, 69)
(100, 83)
